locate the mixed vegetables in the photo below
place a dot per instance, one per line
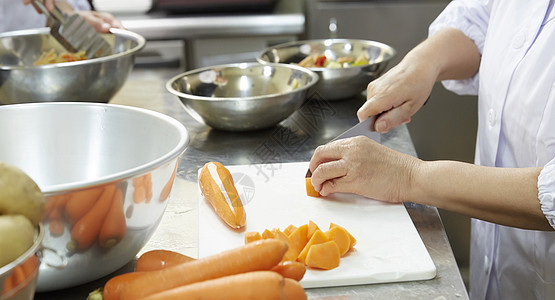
(321, 61)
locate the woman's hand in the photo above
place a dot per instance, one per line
(361, 166)
(399, 93)
(101, 21)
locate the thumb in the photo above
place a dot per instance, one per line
(393, 118)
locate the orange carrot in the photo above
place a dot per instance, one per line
(217, 187)
(115, 285)
(139, 194)
(159, 259)
(290, 269)
(165, 193)
(147, 183)
(310, 191)
(8, 285)
(56, 227)
(255, 256)
(18, 275)
(293, 290)
(80, 203)
(85, 231)
(114, 227)
(251, 285)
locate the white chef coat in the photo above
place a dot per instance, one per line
(516, 128)
(16, 16)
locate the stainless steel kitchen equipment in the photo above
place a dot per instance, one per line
(79, 151)
(74, 33)
(90, 80)
(335, 83)
(243, 96)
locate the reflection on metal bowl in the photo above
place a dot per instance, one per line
(106, 171)
(90, 80)
(336, 83)
(243, 96)
(18, 279)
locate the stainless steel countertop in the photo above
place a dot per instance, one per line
(178, 230)
(287, 18)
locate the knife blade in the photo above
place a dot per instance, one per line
(364, 128)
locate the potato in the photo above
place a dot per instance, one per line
(19, 194)
(16, 237)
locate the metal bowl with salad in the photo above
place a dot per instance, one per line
(344, 66)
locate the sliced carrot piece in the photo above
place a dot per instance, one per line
(341, 238)
(353, 240)
(252, 236)
(287, 231)
(317, 238)
(267, 234)
(323, 256)
(310, 191)
(298, 239)
(292, 251)
(312, 227)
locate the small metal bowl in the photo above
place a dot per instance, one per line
(82, 153)
(12, 286)
(340, 83)
(90, 80)
(243, 96)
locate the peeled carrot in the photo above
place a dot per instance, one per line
(160, 259)
(139, 194)
(165, 193)
(290, 269)
(148, 187)
(115, 285)
(292, 290)
(56, 227)
(255, 256)
(114, 227)
(251, 285)
(81, 202)
(85, 231)
(8, 285)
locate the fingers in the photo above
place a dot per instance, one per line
(101, 21)
(325, 174)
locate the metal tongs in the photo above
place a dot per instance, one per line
(74, 33)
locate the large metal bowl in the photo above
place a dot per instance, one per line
(12, 285)
(340, 83)
(244, 96)
(77, 151)
(91, 80)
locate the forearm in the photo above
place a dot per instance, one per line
(450, 53)
(507, 196)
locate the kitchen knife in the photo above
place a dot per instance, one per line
(364, 128)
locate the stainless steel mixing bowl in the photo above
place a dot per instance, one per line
(340, 83)
(13, 286)
(243, 96)
(90, 154)
(91, 80)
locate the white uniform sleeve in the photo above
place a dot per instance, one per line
(471, 17)
(79, 4)
(546, 191)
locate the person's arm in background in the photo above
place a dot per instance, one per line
(101, 21)
(507, 196)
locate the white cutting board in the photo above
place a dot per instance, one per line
(388, 247)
